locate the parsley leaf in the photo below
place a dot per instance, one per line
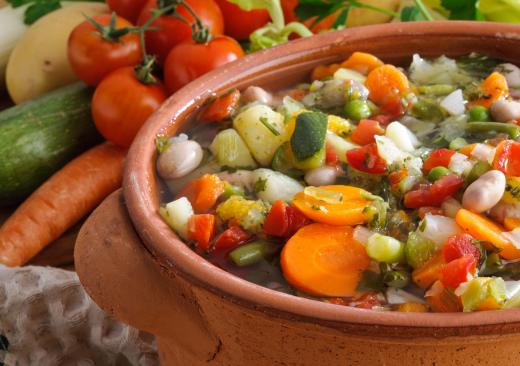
(461, 9)
(37, 8)
(411, 14)
(260, 185)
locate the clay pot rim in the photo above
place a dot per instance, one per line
(172, 254)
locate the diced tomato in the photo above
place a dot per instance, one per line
(458, 246)
(457, 271)
(383, 119)
(393, 108)
(437, 158)
(331, 157)
(434, 194)
(507, 158)
(430, 210)
(201, 229)
(284, 220)
(231, 238)
(366, 131)
(366, 159)
(222, 107)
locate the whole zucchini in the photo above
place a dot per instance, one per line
(38, 137)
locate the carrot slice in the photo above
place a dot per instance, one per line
(347, 211)
(362, 62)
(60, 202)
(430, 272)
(324, 71)
(512, 223)
(466, 150)
(222, 107)
(203, 192)
(386, 84)
(484, 229)
(324, 260)
(494, 88)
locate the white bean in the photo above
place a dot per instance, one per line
(512, 74)
(322, 176)
(505, 110)
(485, 192)
(179, 159)
(257, 94)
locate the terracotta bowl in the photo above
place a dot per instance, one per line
(135, 267)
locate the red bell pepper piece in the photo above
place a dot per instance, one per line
(284, 220)
(457, 271)
(201, 229)
(437, 158)
(366, 131)
(458, 246)
(507, 158)
(231, 238)
(366, 159)
(383, 119)
(222, 107)
(434, 194)
(331, 158)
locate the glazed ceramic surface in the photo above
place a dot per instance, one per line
(204, 315)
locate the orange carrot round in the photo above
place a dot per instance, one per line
(512, 223)
(60, 202)
(324, 71)
(494, 88)
(203, 192)
(347, 211)
(222, 107)
(386, 84)
(484, 229)
(362, 62)
(324, 260)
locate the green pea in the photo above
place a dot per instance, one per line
(252, 253)
(357, 109)
(479, 114)
(478, 169)
(458, 143)
(398, 279)
(437, 173)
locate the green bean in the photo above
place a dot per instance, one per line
(437, 173)
(479, 114)
(428, 110)
(512, 130)
(437, 89)
(357, 109)
(252, 253)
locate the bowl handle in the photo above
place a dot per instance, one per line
(124, 280)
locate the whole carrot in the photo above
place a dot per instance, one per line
(60, 202)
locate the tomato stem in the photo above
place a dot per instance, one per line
(110, 32)
(200, 32)
(143, 71)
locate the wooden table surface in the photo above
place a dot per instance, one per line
(61, 252)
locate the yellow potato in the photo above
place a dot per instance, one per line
(359, 16)
(39, 64)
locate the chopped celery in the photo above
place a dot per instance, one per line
(483, 293)
(437, 173)
(458, 143)
(385, 249)
(419, 250)
(477, 170)
(428, 110)
(230, 150)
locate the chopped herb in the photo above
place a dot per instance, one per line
(269, 126)
(260, 185)
(161, 143)
(371, 281)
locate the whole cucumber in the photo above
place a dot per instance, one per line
(38, 137)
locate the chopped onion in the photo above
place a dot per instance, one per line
(512, 288)
(402, 137)
(361, 234)
(325, 195)
(438, 228)
(454, 103)
(348, 74)
(388, 150)
(396, 296)
(451, 206)
(483, 152)
(241, 178)
(460, 164)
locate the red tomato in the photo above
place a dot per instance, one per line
(231, 238)
(172, 31)
(434, 194)
(457, 271)
(92, 57)
(121, 104)
(239, 23)
(288, 7)
(201, 229)
(458, 246)
(189, 60)
(366, 131)
(284, 220)
(383, 119)
(366, 159)
(128, 9)
(507, 158)
(441, 157)
(331, 158)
